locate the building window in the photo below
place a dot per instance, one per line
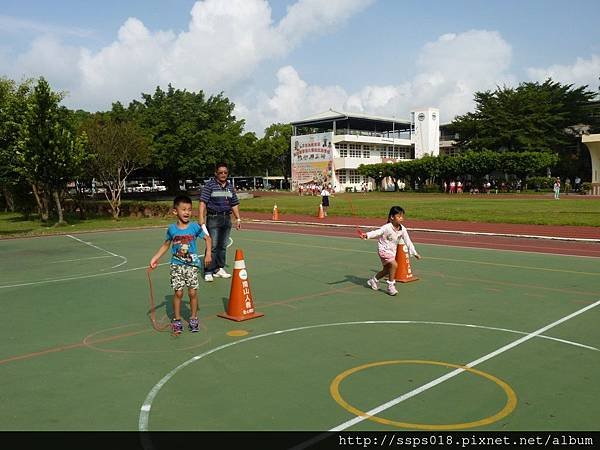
(366, 154)
(354, 153)
(341, 176)
(341, 145)
(354, 177)
(354, 146)
(343, 153)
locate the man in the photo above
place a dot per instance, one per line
(218, 202)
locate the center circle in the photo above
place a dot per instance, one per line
(511, 397)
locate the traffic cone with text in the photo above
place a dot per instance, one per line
(320, 213)
(241, 304)
(275, 213)
(404, 272)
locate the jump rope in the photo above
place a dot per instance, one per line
(155, 324)
(359, 232)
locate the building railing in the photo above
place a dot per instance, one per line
(381, 134)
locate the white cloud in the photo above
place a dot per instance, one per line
(450, 71)
(223, 45)
(581, 72)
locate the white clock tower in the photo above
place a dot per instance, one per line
(426, 131)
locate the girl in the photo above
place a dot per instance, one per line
(389, 236)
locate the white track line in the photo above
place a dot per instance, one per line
(103, 250)
(430, 230)
(147, 405)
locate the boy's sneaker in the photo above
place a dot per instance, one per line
(392, 289)
(208, 277)
(373, 284)
(222, 274)
(194, 325)
(177, 327)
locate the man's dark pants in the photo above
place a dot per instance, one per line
(219, 229)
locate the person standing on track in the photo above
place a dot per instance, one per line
(218, 201)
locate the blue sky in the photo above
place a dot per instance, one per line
(282, 60)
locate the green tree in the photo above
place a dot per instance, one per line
(273, 149)
(526, 164)
(189, 132)
(117, 148)
(49, 154)
(534, 117)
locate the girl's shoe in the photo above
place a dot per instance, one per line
(392, 289)
(372, 282)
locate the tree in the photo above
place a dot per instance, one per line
(49, 155)
(526, 164)
(117, 148)
(376, 171)
(189, 133)
(12, 110)
(534, 117)
(274, 149)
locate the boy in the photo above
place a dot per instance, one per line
(185, 262)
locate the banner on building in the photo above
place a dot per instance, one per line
(312, 159)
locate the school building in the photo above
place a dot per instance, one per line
(327, 148)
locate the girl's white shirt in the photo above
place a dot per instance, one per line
(389, 238)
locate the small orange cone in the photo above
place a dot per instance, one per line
(403, 272)
(241, 304)
(320, 213)
(275, 213)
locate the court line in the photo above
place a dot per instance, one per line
(79, 259)
(92, 275)
(147, 405)
(456, 372)
(78, 277)
(496, 246)
(101, 249)
(436, 258)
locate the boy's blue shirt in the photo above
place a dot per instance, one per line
(183, 243)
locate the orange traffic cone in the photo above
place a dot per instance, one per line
(275, 213)
(403, 272)
(241, 305)
(320, 213)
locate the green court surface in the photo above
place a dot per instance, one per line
(484, 340)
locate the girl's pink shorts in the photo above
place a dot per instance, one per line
(386, 258)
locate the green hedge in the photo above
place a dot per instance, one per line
(129, 208)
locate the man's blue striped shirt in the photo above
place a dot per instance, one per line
(217, 198)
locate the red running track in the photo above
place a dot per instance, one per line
(447, 233)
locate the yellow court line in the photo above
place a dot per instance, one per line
(510, 405)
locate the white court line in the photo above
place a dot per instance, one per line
(103, 250)
(93, 275)
(147, 405)
(456, 372)
(79, 259)
(78, 277)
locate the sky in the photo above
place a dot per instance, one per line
(284, 60)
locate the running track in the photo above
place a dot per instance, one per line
(562, 240)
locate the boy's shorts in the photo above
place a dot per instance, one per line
(182, 276)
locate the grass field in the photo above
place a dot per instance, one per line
(520, 209)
